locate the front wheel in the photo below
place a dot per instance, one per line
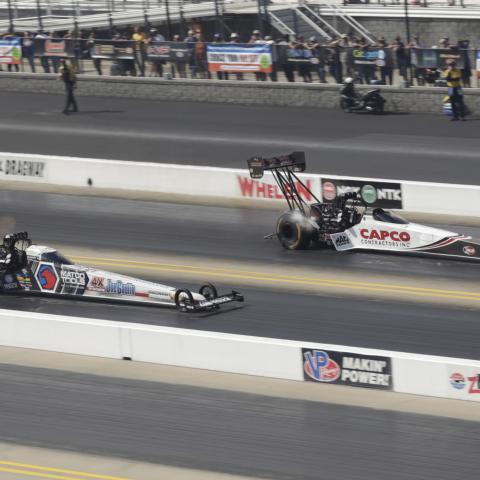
(183, 299)
(208, 291)
(293, 232)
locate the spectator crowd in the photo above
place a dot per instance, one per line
(293, 59)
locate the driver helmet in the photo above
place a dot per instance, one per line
(348, 80)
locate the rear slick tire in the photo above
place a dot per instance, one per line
(293, 232)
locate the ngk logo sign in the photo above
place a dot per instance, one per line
(384, 237)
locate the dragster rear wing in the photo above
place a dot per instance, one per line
(294, 162)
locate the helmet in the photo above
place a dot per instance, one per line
(348, 80)
(234, 35)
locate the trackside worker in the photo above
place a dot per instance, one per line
(454, 77)
(67, 75)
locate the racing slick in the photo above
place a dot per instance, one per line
(38, 269)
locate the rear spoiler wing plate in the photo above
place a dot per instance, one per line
(295, 161)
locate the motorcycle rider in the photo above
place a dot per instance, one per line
(348, 90)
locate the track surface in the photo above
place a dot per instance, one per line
(190, 230)
(414, 147)
(229, 431)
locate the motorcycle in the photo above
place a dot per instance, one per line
(372, 101)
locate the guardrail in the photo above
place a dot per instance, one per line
(221, 185)
(301, 361)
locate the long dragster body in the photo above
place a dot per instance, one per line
(37, 269)
(348, 224)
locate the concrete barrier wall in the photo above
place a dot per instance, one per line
(414, 99)
(216, 184)
(393, 371)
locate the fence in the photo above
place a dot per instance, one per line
(306, 61)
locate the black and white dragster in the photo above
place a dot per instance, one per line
(347, 223)
(25, 267)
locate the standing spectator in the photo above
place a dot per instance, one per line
(453, 77)
(139, 38)
(43, 59)
(336, 70)
(385, 63)
(55, 60)
(283, 48)
(28, 49)
(201, 56)
(179, 64)
(304, 55)
(273, 74)
(217, 39)
(467, 66)
(318, 58)
(401, 55)
(67, 75)
(191, 40)
(234, 39)
(97, 62)
(156, 65)
(257, 38)
(418, 73)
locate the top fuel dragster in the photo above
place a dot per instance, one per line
(39, 269)
(348, 223)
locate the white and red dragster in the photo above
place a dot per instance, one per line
(42, 270)
(347, 224)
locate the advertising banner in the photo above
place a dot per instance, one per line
(178, 52)
(267, 188)
(464, 382)
(363, 56)
(373, 193)
(114, 49)
(239, 58)
(54, 47)
(477, 58)
(11, 51)
(343, 368)
(438, 57)
(21, 168)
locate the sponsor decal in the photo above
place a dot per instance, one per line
(47, 277)
(97, 284)
(374, 194)
(24, 279)
(384, 238)
(22, 168)
(457, 381)
(341, 240)
(345, 368)
(73, 278)
(329, 191)
(469, 250)
(120, 288)
(319, 366)
(255, 189)
(369, 193)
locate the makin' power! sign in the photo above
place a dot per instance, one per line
(345, 368)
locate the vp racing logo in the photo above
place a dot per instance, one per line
(47, 277)
(320, 367)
